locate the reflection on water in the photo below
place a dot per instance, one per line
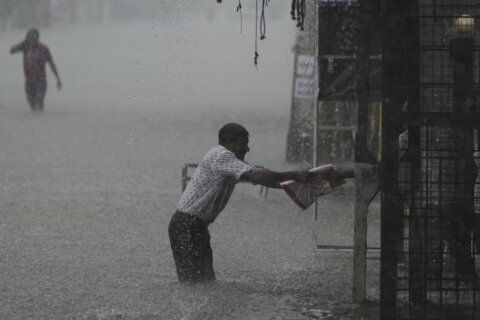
(232, 300)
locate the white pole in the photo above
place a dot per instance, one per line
(316, 103)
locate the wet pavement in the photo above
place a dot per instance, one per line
(84, 231)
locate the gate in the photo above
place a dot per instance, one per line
(430, 255)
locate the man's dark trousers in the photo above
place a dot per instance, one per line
(190, 242)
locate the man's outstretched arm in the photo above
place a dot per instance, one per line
(272, 179)
(17, 48)
(54, 70)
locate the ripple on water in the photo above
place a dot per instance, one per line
(233, 300)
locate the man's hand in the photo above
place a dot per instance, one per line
(341, 173)
(59, 84)
(334, 174)
(303, 176)
(306, 176)
(17, 48)
(273, 179)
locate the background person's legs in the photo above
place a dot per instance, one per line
(30, 90)
(40, 94)
(35, 91)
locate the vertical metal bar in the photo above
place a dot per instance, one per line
(317, 101)
(461, 52)
(362, 154)
(417, 221)
(380, 113)
(391, 209)
(292, 135)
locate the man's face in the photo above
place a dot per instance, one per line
(32, 38)
(239, 147)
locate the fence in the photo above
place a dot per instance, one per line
(430, 158)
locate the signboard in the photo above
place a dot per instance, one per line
(305, 77)
(305, 65)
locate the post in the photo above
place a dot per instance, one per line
(394, 98)
(365, 173)
(316, 107)
(462, 54)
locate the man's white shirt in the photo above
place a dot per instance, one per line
(212, 183)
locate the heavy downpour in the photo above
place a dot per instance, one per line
(239, 159)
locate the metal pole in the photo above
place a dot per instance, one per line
(317, 103)
(362, 155)
(394, 26)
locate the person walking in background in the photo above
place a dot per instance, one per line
(207, 194)
(35, 56)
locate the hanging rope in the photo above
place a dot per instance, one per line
(255, 59)
(292, 10)
(239, 10)
(301, 14)
(298, 12)
(304, 10)
(263, 25)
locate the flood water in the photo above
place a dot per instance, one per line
(88, 186)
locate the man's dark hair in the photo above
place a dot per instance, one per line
(34, 32)
(231, 132)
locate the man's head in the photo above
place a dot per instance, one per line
(234, 137)
(32, 36)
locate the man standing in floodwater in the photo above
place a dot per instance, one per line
(207, 194)
(35, 56)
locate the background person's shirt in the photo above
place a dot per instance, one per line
(212, 183)
(34, 60)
